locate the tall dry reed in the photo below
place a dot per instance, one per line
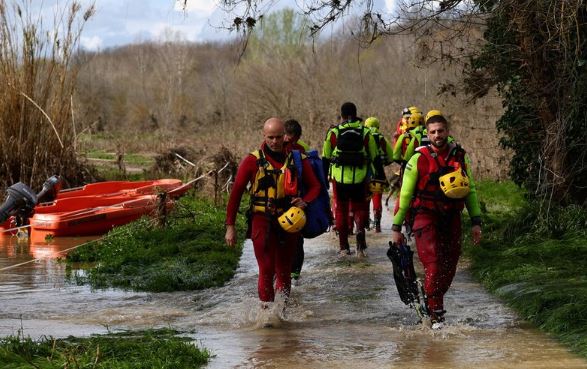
(37, 127)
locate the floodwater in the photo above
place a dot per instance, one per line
(341, 314)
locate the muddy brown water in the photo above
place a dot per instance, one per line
(342, 314)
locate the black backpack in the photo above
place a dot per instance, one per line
(350, 147)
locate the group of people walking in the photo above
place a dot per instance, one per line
(436, 185)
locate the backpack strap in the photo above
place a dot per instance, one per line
(297, 159)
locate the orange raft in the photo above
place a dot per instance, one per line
(96, 208)
(120, 188)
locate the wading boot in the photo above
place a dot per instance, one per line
(361, 245)
(344, 249)
(377, 221)
(437, 319)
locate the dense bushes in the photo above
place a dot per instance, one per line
(541, 74)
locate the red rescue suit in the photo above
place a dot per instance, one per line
(273, 246)
(437, 224)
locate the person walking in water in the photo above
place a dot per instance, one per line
(276, 211)
(293, 133)
(437, 185)
(377, 186)
(351, 158)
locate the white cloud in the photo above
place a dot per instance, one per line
(163, 31)
(93, 43)
(389, 5)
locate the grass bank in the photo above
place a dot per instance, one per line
(188, 254)
(535, 263)
(128, 350)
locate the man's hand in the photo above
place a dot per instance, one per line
(230, 236)
(397, 237)
(298, 202)
(476, 233)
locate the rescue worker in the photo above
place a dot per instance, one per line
(293, 133)
(274, 229)
(410, 139)
(437, 185)
(400, 126)
(378, 186)
(351, 159)
(406, 144)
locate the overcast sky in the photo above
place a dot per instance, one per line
(119, 22)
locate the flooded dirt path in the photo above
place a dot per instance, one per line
(342, 314)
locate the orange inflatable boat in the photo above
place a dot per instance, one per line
(96, 208)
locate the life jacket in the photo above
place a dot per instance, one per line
(350, 163)
(381, 143)
(428, 194)
(268, 192)
(407, 143)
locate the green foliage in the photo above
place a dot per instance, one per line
(127, 350)
(540, 73)
(188, 254)
(536, 263)
(283, 32)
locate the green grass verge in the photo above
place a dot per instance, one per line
(188, 254)
(128, 350)
(535, 263)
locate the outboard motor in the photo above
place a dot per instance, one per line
(50, 189)
(20, 198)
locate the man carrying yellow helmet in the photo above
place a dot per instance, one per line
(437, 185)
(276, 212)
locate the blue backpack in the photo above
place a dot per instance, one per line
(318, 213)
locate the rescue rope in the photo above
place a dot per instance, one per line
(15, 228)
(58, 252)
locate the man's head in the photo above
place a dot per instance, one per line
(293, 130)
(437, 130)
(348, 110)
(273, 134)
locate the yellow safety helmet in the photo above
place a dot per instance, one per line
(415, 120)
(293, 220)
(432, 113)
(377, 186)
(414, 109)
(406, 112)
(455, 184)
(372, 122)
